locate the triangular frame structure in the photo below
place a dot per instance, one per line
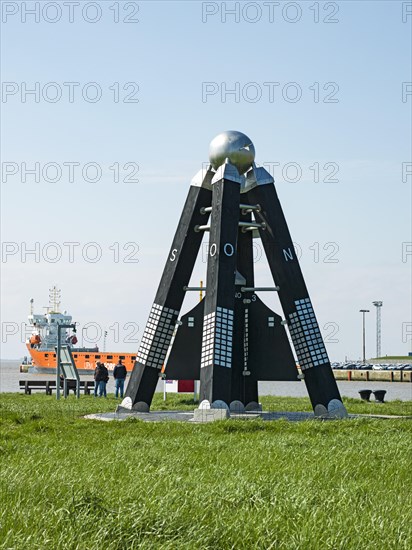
(231, 322)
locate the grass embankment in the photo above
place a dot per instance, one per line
(389, 358)
(71, 483)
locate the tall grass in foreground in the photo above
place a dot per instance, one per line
(72, 483)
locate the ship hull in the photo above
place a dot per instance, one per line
(44, 361)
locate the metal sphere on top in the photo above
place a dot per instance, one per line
(236, 147)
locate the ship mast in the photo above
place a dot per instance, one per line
(54, 299)
(31, 306)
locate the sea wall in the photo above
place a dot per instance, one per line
(374, 375)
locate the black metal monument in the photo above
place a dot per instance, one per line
(231, 339)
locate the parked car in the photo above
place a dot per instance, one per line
(377, 367)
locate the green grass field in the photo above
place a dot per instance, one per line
(71, 483)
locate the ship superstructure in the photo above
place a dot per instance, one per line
(43, 342)
(44, 333)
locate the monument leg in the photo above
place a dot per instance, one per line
(297, 307)
(168, 301)
(244, 387)
(217, 341)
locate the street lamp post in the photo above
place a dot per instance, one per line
(378, 304)
(363, 311)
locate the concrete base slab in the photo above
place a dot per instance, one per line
(198, 415)
(189, 416)
(155, 416)
(210, 415)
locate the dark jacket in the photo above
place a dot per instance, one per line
(101, 374)
(120, 372)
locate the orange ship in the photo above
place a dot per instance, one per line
(43, 342)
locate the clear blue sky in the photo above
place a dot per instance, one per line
(170, 53)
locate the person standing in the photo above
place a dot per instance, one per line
(96, 381)
(101, 377)
(119, 374)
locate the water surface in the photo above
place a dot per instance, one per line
(10, 376)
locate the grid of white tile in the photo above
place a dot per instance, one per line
(306, 336)
(217, 338)
(208, 340)
(157, 335)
